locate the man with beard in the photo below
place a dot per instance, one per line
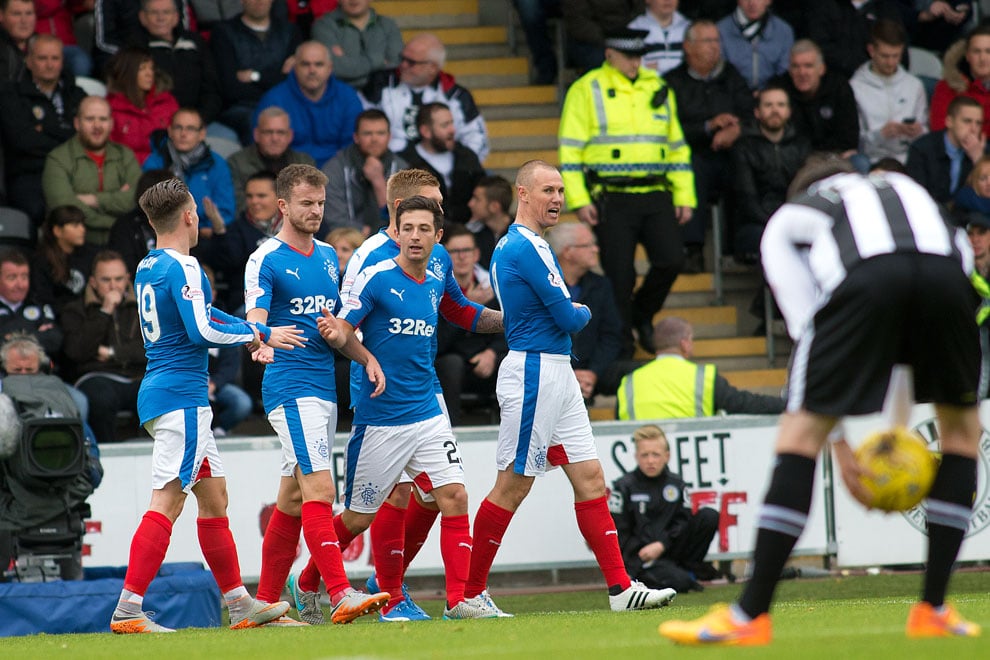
(91, 172)
(358, 175)
(765, 159)
(455, 166)
(294, 278)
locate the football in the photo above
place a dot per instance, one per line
(903, 468)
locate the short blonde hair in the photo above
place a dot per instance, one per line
(650, 432)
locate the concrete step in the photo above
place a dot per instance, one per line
(511, 160)
(479, 80)
(750, 379)
(529, 133)
(728, 353)
(708, 322)
(430, 14)
(512, 96)
(460, 36)
(526, 111)
(487, 66)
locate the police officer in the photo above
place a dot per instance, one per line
(627, 173)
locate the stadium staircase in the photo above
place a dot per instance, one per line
(490, 59)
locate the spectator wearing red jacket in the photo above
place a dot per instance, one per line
(965, 72)
(138, 103)
(55, 17)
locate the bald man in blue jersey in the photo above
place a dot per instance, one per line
(544, 421)
(179, 326)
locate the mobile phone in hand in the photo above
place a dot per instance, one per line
(907, 120)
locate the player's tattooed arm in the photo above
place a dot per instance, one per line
(490, 320)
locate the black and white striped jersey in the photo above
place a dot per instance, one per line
(811, 243)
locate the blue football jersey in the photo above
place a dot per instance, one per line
(455, 306)
(536, 305)
(398, 317)
(179, 327)
(294, 288)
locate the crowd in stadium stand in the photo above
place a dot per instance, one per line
(103, 98)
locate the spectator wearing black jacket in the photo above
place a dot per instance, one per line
(713, 100)
(467, 362)
(663, 544)
(37, 112)
(842, 30)
(115, 20)
(229, 251)
(17, 24)
(823, 106)
(180, 53)
(456, 167)
(595, 348)
(765, 159)
(253, 53)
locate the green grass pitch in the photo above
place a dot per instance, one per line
(834, 618)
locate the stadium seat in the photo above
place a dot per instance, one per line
(222, 146)
(927, 66)
(15, 227)
(91, 86)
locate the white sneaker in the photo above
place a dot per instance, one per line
(639, 597)
(486, 602)
(470, 608)
(260, 614)
(142, 623)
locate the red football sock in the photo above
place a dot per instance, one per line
(278, 551)
(387, 536)
(309, 578)
(598, 529)
(490, 524)
(418, 521)
(344, 535)
(317, 524)
(148, 547)
(455, 548)
(217, 544)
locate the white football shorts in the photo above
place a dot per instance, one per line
(544, 421)
(184, 448)
(305, 427)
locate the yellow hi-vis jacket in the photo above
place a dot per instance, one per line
(667, 388)
(608, 126)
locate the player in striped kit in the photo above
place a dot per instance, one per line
(868, 274)
(544, 421)
(179, 325)
(293, 278)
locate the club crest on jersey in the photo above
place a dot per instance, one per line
(437, 268)
(331, 270)
(192, 293)
(671, 493)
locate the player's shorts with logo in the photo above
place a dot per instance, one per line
(544, 421)
(378, 456)
(902, 308)
(407, 477)
(184, 448)
(305, 427)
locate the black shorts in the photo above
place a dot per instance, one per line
(908, 308)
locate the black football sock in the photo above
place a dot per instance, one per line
(782, 519)
(950, 504)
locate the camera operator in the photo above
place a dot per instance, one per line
(20, 506)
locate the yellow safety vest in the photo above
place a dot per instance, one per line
(669, 387)
(983, 289)
(609, 126)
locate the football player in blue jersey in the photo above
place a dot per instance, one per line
(291, 279)
(179, 327)
(403, 522)
(396, 304)
(544, 421)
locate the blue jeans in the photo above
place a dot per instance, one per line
(233, 405)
